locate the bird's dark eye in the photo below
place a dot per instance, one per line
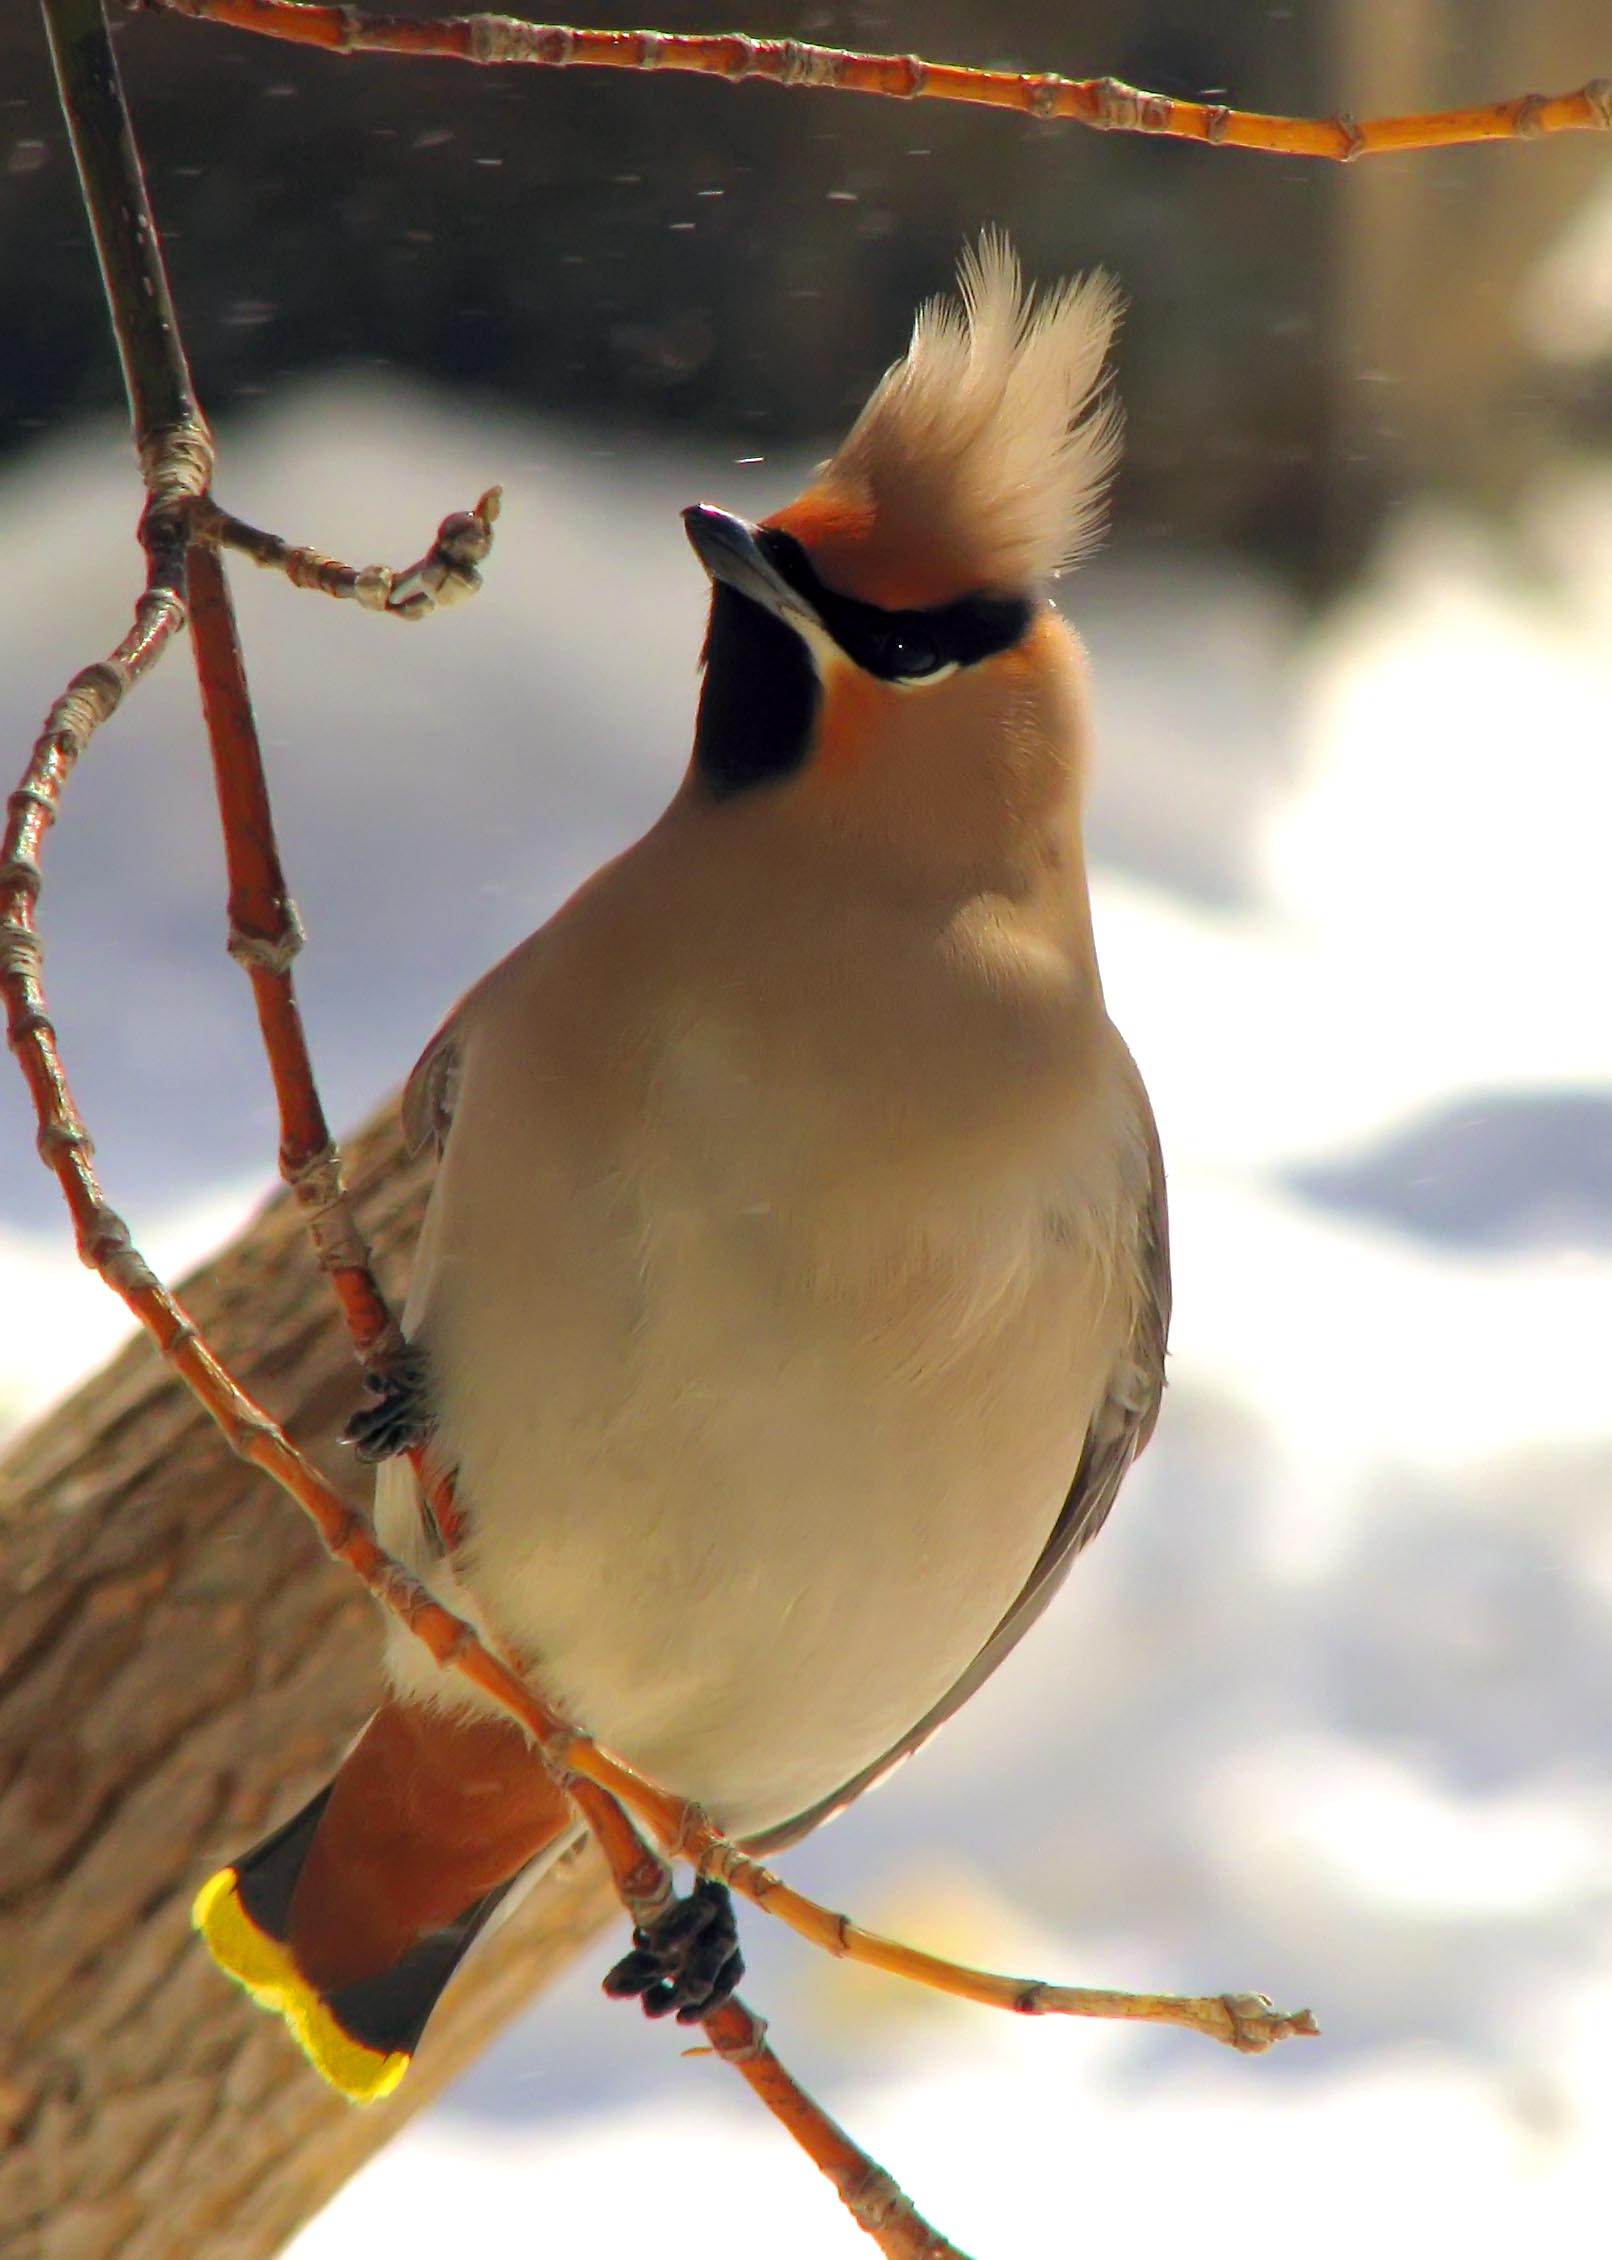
(910, 655)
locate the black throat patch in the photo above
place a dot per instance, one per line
(759, 703)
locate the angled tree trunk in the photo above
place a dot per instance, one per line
(179, 1666)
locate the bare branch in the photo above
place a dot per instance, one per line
(1106, 104)
(176, 456)
(869, 2194)
(175, 447)
(875, 2202)
(445, 575)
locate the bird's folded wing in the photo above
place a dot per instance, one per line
(429, 1093)
(1119, 1431)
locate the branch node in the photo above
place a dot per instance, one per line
(447, 573)
(29, 795)
(372, 585)
(1598, 94)
(317, 1181)
(21, 874)
(1256, 2024)
(14, 958)
(694, 1833)
(1354, 141)
(271, 953)
(501, 39)
(748, 2050)
(176, 462)
(61, 1138)
(20, 950)
(1216, 123)
(105, 1245)
(94, 694)
(876, 2200)
(1043, 94)
(1117, 106)
(809, 66)
(1529, 121)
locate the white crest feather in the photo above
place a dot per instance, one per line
(990, 436)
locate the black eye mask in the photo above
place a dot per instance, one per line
(900, 647)
(761, 695)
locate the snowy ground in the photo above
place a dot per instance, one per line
(1325, 1711)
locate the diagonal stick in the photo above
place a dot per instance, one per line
(1106, 104)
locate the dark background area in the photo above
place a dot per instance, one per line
(653, 254)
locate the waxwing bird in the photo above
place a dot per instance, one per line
(792, 1296)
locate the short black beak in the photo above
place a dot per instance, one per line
(727, 547)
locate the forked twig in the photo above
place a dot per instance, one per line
(1106, 104)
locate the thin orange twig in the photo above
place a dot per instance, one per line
(445, 575)
(1106, 104)
(265, 935)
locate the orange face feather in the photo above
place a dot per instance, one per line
(859, 551)
(848, 725)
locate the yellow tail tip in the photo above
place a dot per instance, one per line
(266, 1970)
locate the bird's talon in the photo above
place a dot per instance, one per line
(687, 1961)
(398, 1417)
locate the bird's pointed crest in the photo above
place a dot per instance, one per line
(982, 457)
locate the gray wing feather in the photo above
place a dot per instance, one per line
(1119, 1431)
(429, 1093)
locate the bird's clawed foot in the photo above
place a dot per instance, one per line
(687, 1960)
(399, 1415)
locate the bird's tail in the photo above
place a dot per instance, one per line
(349, 1920)
(361, 2037)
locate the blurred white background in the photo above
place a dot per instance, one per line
(1325, 1711)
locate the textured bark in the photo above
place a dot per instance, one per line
(180, 1666)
